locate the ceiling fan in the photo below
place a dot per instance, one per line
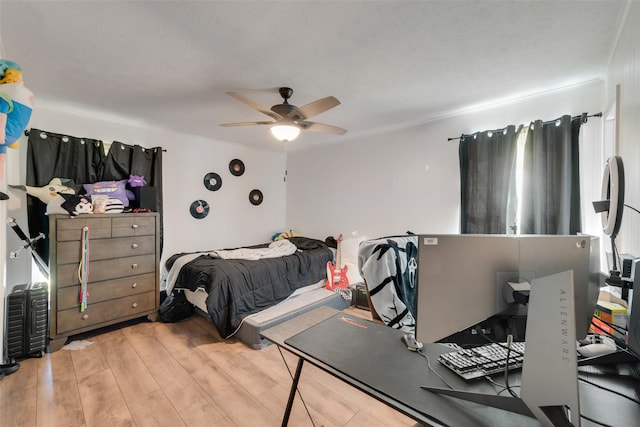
(289, 120)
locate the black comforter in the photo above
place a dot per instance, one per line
(237, 287)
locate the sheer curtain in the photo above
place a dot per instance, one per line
(487, 180)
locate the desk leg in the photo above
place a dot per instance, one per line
(292, 393)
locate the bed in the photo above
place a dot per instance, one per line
(246, 290)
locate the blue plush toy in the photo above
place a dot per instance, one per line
(16, 104)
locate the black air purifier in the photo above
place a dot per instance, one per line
(145, 198)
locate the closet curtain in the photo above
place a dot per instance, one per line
(83, 160)
(487, 180)
(551, 178)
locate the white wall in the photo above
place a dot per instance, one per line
(624, 70)
(408, 180)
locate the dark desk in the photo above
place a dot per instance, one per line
(375, 361)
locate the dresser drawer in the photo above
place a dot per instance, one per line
(105, 312)
(99, 249)
(133, 225)
(69, 297)
(67, 274)
(71, 228)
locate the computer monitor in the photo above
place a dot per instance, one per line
(461, 277)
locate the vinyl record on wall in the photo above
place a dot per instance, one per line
(212, 181)
(199, 209)
(255, 197)
(236, 167)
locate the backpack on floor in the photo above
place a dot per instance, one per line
(175, 307)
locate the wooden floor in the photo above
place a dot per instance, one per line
(179, 374)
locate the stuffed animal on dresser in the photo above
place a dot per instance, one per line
(16, 104)
(76, 205)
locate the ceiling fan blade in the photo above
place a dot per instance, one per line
(321, 127)
(255, 105)
(314, 108)
(246, 124)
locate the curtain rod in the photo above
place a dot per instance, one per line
(583, 117)
(26, 133)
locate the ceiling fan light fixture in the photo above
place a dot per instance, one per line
(285, 133)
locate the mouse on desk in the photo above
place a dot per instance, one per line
(411, 343)
(596, 349)
(596, 345)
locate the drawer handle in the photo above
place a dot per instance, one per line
(134, 305)
(85, 316)
(134, 265)
(135, 285)
(134, 246)
(134, 226)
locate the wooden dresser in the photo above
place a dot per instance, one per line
(123, 271)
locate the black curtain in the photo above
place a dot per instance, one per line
(51, 155)
(124, 160)
(487, 172)
(551, 178)
(83, 160)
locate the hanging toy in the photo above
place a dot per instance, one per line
(16, 105)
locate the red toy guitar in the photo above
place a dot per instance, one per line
(336, 275)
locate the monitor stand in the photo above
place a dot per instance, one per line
(549, 390)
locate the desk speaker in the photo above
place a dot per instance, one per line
(633, 326)
(145, 198)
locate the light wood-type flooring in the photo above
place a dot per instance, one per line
(179, 374)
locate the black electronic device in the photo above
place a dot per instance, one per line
(144, 198)
(633, 325)
(483, 360)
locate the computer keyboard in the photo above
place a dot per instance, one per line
(483, 360)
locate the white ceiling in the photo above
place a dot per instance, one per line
(392, 64)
